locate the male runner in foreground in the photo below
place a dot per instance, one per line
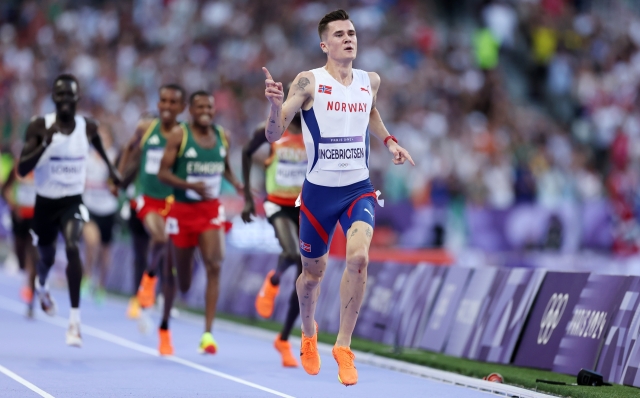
(338, 111)
(194, 163)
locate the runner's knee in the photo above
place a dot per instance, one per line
(357, 260)
(213, 267)
(91, 235)
(311, 279)
(47, 255)
(158, 238)
(212, 258)
(71, 247)
(184, 285)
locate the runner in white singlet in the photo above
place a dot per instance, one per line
(56, 149)
(339, 113)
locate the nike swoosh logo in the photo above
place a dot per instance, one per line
(367, 210)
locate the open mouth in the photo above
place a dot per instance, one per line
(204, 119)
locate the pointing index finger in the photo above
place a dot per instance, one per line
(410, 159)
(266, 73)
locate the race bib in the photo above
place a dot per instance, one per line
(152, 164)
(270, 208)
(290, 174)
(171, 226)
(212, 183)
(342, 153)
(139, 203)
(68, 171)
(26, 195)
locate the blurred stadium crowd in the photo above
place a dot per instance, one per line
(502, 103)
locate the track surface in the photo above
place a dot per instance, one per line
(117, 361)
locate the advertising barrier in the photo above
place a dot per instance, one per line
(498, 328)
(409, 317)
(385, 283)
(436, 332)
(472, 305)
(631, 372)
(588, 323)
(548, 320)
(622, 337)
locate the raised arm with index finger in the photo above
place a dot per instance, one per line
(300, 96)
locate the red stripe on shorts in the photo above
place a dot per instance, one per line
(373, 194)
(318, 227)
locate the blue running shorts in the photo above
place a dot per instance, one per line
(322, 207)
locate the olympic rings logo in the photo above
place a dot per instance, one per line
(552, 316)
(343, 165)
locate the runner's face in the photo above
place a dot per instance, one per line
(340, 41)
(65, 96)
(170, 105)
(202, 110)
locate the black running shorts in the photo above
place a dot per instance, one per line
(135, 225)
(275, 211)
(51, 215)
(20, 227)
(105, 225)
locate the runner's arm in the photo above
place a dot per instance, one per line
(165, 174)
(96, 141)
(377, 127)
(35, 144)
(280, 116)
(228, 173)
(257, 140)
(129, 163)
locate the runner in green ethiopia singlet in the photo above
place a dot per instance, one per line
(195, 164)
(152, 146)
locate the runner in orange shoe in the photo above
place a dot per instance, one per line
(141, 158)
(339, 116)
(194, 163)
(20, 195)
(285, 171)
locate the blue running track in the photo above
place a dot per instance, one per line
(117, 361)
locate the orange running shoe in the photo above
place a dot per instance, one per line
(26, 294)
(133, 309)
(309, 355)
(147, 291)
(267, 296)
(284, 348)
(347, 373)
(165, 347)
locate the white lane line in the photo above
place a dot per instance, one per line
(25, 383)
(18, 308)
